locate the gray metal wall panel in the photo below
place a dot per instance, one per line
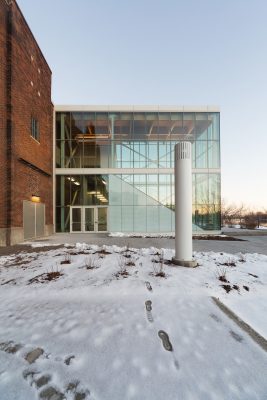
(29, 219)
(40, 219)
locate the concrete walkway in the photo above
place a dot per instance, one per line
(249, 244)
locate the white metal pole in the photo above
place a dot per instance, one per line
(183, 206)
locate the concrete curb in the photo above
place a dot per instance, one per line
(260, 340)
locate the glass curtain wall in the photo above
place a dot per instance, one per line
(137, 202)
(129, 140)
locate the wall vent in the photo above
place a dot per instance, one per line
(183, 151)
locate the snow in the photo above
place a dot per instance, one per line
(141, 234)
(39, 244)
(170, 235)
(95, 313)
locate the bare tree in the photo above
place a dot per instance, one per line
(232, 213)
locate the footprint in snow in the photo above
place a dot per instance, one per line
(148, 305)
(237, 337)
(42, 382)
(148, 286)
(215, 318)
(165, 340)
(168, 346)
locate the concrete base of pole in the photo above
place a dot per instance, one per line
(184, 263)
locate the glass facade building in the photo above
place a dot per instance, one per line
(114, 168)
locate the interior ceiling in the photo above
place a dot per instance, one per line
(142, 130)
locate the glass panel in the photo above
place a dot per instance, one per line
(115, 218)
(202, 181)
(102, 219)
(115, 183)
(102, 125)
(62, 191)
(127, 192)
(139, 193)
(89, 190)
(151, 116)
(214, 154)
(126, 155)
(63, 219)
(102, 195)
(95, 189)
(202, 125)
(76, 219)
(189, 125)
(126, 126)
(177, 116)
(165, 126)
(139, 125)
(165, 190)
(165, 219)
(201, 154)
(63, 126)
(177, 128)
(91, 155)
(89, 219)
(152, 161)
(153, 219)
(140, 218)
(193, 153)
(127, 219)
(76, 190)
(80, 125)
(214, 126)
(152, 188)
(214, 189)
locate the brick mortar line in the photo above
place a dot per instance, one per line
(260, 340)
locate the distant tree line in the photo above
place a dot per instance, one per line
(242, 215)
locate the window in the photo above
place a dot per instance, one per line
(35, 129)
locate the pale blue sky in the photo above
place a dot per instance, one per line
(168, 52)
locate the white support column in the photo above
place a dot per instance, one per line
(112, 161)
(183, 206)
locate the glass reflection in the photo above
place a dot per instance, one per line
(132, 195)
(137, 140)
(134, 140)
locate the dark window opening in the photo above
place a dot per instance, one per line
(35, 132)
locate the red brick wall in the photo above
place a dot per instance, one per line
(3, 66)
(30, 96)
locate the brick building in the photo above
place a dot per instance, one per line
(26, 131)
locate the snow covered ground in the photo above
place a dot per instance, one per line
(96, 316)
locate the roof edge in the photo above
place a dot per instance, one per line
(136, 108)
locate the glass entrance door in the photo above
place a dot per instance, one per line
(88, 219)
